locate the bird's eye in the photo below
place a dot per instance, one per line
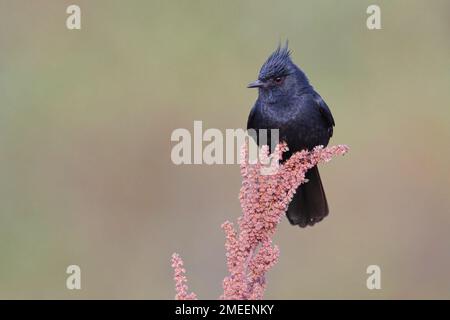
(278, 80)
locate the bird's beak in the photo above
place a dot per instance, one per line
(255, 84)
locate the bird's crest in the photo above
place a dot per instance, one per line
(277, 64)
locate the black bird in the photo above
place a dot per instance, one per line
(287, 101)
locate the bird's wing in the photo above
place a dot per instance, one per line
(325, 112)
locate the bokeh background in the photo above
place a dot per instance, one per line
(85, 124)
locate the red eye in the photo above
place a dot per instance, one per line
(278, 80)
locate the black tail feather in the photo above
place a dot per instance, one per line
(309, 204)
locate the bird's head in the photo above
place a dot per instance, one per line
(279, 78)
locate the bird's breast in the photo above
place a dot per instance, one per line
(300, 125)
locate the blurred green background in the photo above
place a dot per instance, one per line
(85, 124)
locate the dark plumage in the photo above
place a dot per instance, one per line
(286, 101)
